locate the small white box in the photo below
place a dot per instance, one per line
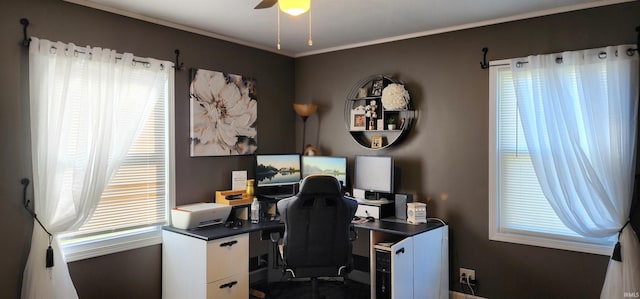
(416, 212)
(199, 215)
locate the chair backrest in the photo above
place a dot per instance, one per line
(317, 222)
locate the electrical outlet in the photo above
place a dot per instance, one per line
(468, 273)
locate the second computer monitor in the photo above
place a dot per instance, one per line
(336, 166)
(373, 174)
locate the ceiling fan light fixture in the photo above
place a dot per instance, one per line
(294, 7)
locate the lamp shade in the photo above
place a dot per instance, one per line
(294, 7)
(305, 110)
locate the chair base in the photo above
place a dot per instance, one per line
(315, 292)
(304, 288)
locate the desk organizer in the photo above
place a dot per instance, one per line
(221, 197)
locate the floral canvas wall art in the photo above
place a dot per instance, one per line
(224, 114)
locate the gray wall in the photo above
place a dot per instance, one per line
(136, 273)
(445, 153)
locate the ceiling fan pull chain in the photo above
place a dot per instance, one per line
(278, 29)
(310, 40)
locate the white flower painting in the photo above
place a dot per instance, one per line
(224, 114)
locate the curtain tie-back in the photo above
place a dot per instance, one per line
(617, 256)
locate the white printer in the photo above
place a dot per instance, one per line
(199, 214)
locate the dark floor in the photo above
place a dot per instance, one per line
(328, 289)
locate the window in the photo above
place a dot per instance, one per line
(518, 210)
(134, 205)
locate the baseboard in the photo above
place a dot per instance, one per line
(458, 295)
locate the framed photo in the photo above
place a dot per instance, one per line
(358, 119)
(376, 87)
(376, 141)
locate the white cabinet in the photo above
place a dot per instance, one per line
(416, 266)
(196, 268)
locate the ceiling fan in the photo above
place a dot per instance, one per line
(266, 4)
(292, 7)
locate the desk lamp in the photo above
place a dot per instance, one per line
(304, 111)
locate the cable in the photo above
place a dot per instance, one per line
(472, 291)
(437, 219)
(465, 279)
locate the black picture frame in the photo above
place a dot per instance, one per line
(376, 87)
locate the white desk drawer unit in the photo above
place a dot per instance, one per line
(195, 268)
(236, 286)
(227, 256)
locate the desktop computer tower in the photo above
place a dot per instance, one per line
(383, 274)
(401, 201)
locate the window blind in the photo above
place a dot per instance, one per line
(137, 195)
(520, 205)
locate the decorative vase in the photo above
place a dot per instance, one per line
(391, 126)
(249, 188)
(372, 125)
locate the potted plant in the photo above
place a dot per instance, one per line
(391, 124)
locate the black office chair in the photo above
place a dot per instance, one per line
(318, 231)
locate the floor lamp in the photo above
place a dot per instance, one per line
(304, 111)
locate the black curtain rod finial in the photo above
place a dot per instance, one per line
(638, 38)
(25, 183)
(25, 40)
(178, 65)
(483, 64)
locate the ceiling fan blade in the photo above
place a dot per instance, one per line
(266, 4)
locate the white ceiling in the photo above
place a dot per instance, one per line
(336, 24)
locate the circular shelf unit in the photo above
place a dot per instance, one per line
(374, 133)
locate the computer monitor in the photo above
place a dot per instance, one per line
(373, 174)
(277, 173)
(336, 166)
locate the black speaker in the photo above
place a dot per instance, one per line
(401, 201)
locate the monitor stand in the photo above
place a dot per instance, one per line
(277, 192)
(374, 198)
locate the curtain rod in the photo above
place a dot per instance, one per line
(26, 41)
(118, 56)
(601, 55)
(485, 65)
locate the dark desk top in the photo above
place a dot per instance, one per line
(399, 227)
(219, 231)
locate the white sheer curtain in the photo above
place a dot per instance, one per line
(579, 117)
(87, 106)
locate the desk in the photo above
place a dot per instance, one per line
(213, 262)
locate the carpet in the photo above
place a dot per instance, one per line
(328, 289)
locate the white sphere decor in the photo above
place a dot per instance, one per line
(395, 97)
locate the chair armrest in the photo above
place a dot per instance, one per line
(274, 236)
(353, 234)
